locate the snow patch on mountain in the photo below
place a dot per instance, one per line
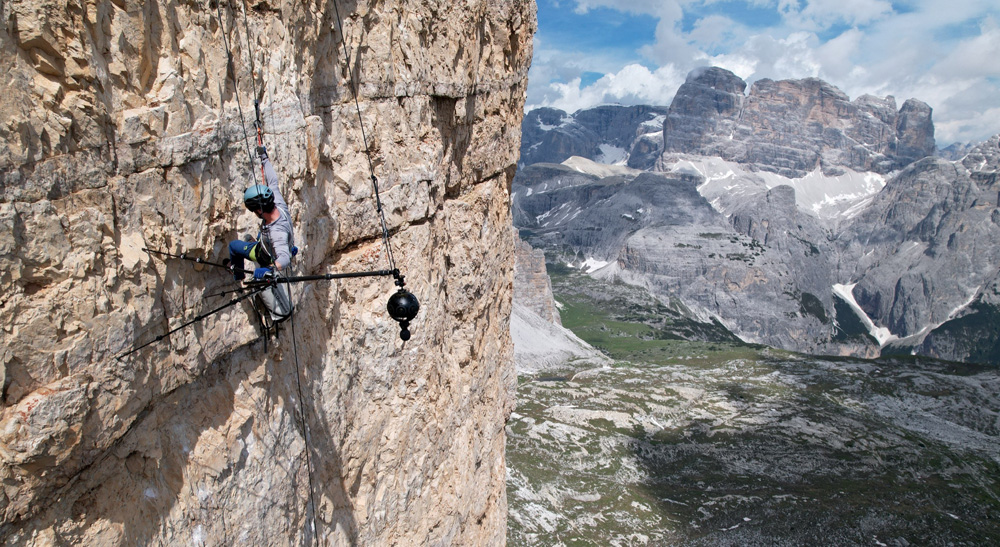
(727, 184)
(590, 167)
(566, 120)
(654, 125)
(831, 197)
(591, 265)
(846, 293)
(612, 155)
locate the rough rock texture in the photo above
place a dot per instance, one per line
(917, 258)
(707, 104)
(607, 134)
(793, 127)
(925, 247)
(540, 345)
(710, 448)
(540, 341)
(849, 262)
(120, 130)
(532, 287)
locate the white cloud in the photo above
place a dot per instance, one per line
(669, 9)
(633, 84)
(818, 14)
(836, 57)
(714, 31)
(943, 53)
(976, 55)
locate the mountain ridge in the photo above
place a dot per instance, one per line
(773, 261)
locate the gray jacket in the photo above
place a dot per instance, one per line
(279, 233)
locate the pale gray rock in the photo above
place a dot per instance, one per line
(917, 253)
(957, 151)
(532, 287)
(541, 345)
(923, 250)
(793, 127)
(607, 134)
(120, 130)
(706, 105)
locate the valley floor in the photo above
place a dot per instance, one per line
(717, 443)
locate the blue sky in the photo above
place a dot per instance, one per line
(943, 52)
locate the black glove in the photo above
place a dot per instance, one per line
(262, 153)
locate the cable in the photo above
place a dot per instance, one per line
(258, 125)
(236, 87)
(232, 302)
(364, 137)
(302, 420)
(253, 70)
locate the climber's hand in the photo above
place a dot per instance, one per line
(261, 273)
(262, 152)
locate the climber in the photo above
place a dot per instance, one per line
(272, 250)
(275, 244)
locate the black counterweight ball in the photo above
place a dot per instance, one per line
(403, 307)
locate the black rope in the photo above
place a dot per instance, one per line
(364, 137)
(232, 302)
(236, 87)
(253, 69)
(258, 123)
(183, 256)
(302, 420)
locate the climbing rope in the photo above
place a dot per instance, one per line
(305, 428)
(368, 153)
(253, 69)
(258, 126)
(230, 68)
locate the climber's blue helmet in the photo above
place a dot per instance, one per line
(259, 198)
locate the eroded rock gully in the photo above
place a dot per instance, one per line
(119, 130)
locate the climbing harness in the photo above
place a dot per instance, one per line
(402, 306)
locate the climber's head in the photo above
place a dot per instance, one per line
(259, 199)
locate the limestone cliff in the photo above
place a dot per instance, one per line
(120, 129)
(793, 127)
(532, 286)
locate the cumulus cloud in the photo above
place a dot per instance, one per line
(633, 84)
(976, 55)
(943, 53)
(819, 14)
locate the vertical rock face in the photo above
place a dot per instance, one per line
(792, 127)
(606, 134)
(532, 286)
(707, 104)
(920, 256)
(120, 130)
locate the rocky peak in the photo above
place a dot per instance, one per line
(915, 132)
(708, 103)
(532, 287)
(883, 108)
(605, 134)
(793, 127)
(714, 80)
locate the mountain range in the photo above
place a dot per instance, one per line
(787, 212)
